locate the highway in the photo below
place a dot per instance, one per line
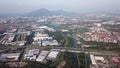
(69, 50)
(14, 33)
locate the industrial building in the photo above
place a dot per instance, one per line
(49, 42)
(44, 39)
(40, 36)
(3, 59)
(42, 56)
(46, 28)
(116, 60)
(52, 55)
(93, 60)
(11, 56)
(32, 54)
(99, 59)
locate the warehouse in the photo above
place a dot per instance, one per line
(100, 59)
(49, 42)
(42, 56)
(32, 54)
(52, 55)
(12, 56)
(93, 60)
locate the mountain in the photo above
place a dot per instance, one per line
(46, 12)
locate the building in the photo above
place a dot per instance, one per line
(39, 36)
(11, 56)
(52, 55)
(116, 60)
(32, 54)
(99, 59)
(3, 59)
(49, 42)
(46, 28)
(93, 60)
(42, 56)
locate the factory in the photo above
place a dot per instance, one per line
(3, 59)
(39, 36)
(52, 55)
(42, 56)
(44, 39)
(11, 56)
(49, 42)
(93, 60)
(32, 54)
(18, 38)
(98, 61)
(104, 61)
(46, 28)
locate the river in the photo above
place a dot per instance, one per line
(74, 54)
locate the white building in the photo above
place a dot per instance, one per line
(39, 36)
(93, 60)
(32, 54)
(11, 56)
(100, 59)
(42, 56)
(52, 55)
(46, 27)
(49, 42)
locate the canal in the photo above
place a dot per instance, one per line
(74, 54)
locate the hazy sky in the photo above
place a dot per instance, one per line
(20, 6)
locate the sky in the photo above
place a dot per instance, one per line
(24, 6)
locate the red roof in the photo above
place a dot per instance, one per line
(116, 60)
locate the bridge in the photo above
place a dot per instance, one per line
(68, 49)
(62, 50)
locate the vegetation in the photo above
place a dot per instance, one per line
(3, 65)
(81, 60)
(1, 36)
(34, 64)
(112, 28)
(68, 57)
(100, 44)
(82, 30)
(29, 38)
(59, 59)
(57, 35)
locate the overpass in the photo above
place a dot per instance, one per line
(14, 33)
(62, 49)
(68, 49)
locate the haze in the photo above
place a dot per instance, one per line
(23, 6)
